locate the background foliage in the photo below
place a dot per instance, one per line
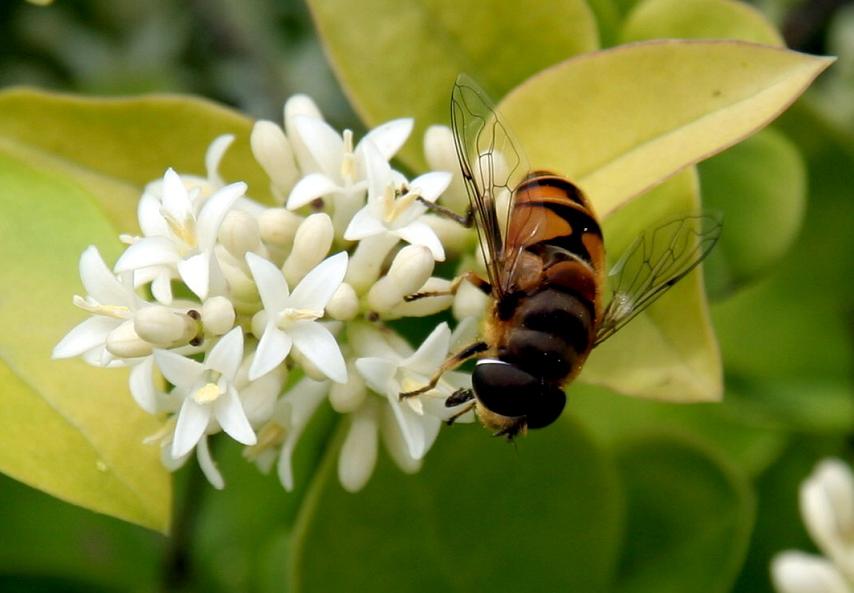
(624, 495)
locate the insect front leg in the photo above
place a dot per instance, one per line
(466, 220)
(451, 363)
(476, 280)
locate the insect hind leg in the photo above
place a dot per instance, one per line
(466, 220)
(476, 280)
(451, 363)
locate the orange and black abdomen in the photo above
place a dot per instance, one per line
(554, 319)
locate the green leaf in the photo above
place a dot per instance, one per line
(112, 147)
(757, 184)
(42, 538)
(689, 518)
(622, 120)
(699, 19)
(668, 352)
(480, 516)
(67, 428)
(719, 426)
(399, 58)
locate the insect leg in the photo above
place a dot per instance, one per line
(451, 363)
(476, 280)
(465, 410)
(466, 220)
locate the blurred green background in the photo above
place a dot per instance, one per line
(728, 473)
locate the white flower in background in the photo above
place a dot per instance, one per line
(177, 240)
(827, 507)
(394, 208)
(290, 319)
(112, 303)
(209, 393)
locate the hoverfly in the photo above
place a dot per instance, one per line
(545, 273)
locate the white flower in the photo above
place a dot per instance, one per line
(394, 209)
(179, 241)
(389, 372)
(209, 393)
(111, 301)
(291, 318)
(827, 507)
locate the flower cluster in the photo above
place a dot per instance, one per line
(240, 318)
(827, 507)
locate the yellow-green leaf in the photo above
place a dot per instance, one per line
(668, 352)
(399, 58)
(114, 146)
(699, 19)
(621, 121)
(66, 428)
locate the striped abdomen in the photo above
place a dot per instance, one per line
(557, 297)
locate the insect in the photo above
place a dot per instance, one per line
(545, 273)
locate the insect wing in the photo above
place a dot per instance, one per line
(492, 165)
(652, 264)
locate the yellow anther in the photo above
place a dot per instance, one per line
(208, 393)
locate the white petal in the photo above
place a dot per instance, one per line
(214, 211)
(227, 354)
(418, 233)
(151, 221)
(195, 271)
(271, 284)
(396, 444)
(85, 336)
(310, 187)
(208, 465)
(274, 347)
(259, 397)
(377, 169)
(150, 251)
(179, 370)
(323, 142)
(359, 452)
(214, 155)
(379, 375)
(364, 224)
(319, 346)
(318, 286)
(410, 427)
(390, 136)
(431, 185)
(100, 282)
(176, 199)
(231, 417)
(302, 400)
(797, 572)
(161, 287)
(192, 422)
(432, 352)
(142, 386)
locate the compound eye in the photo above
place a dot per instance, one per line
(547, 407)
(503, 388)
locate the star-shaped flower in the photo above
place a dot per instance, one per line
(177, 240)
(396, 209)
(290, 319)
(209, 393)
(111, 301)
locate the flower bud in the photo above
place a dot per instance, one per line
(409, 271)
(441, 154)
(165, 327)
(427, 305)
(359, 451)
(218, 315)
(455, 237)
(365, 264)
(827, 506)
(344, 304)
(273, 152)
(395, 444)
(124, 342)
(278, 227)
(240, 283)
(311, 371)
(311, 244)
(796, 572)
(300, 106)
(347, 397)
(469, 301)
(239, 233)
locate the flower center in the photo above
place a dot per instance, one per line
(207, 393)
(185, 230)
(395, 204)
(289, 315)
(90, 305)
